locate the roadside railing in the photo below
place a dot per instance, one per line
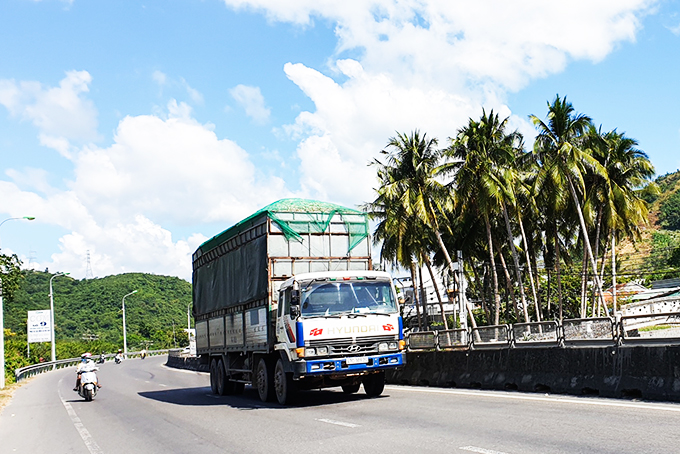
(650, 328)
(659, 328)
(35, 369)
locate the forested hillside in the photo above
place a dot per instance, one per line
(91, 309)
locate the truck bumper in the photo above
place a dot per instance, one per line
(324, 366)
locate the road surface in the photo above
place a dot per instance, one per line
(146, 407)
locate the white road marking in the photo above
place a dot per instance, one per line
(566, 400)
(161, 384)
(480, 450)
(90, 444)
(339, 423)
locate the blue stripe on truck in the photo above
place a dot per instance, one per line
(333, 365)
(300, 334)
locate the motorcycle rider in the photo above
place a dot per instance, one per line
(86, 365)
(119, 356)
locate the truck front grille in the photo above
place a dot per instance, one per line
(348, 346)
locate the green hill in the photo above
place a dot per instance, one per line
(92, 308)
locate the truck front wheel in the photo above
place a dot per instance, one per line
(213, 376)
(264, 378)
(374, 384)
(283, 384)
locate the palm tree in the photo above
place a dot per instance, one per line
(558, 148)
(409, 188)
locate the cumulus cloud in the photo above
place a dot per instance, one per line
(61, 113)
(252, 101)
(428, 65)
(157, 171)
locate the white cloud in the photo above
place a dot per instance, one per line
(157, 171)
(252, 101)
(60, 113)
(159, 77)
(428, 65)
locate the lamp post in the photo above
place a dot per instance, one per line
(54, 349)
(188, 318)
(124, 330)
(2, 319)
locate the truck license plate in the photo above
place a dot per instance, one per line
(357, 360)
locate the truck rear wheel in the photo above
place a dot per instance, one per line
(351, 389)
(221, 379)
(374, 384)
(213, 376)
(264, 380)
(283, 384)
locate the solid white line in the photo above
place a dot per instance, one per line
(338, 423)
(567, 400)
(480, 450)
(90, 444)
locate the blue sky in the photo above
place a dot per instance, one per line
(136, 130)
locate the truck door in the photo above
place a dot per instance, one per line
(285, 326)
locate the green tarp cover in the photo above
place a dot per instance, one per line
(311, 216)
(241, 275)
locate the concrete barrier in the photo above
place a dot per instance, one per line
(646, 372)
(186, 362)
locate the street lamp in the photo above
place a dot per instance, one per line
(54, 350)
(188, 318)
(124, 331)
(2, 320)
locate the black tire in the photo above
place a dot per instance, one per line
(88, 394)
(213, 376)
(264, 381)
(284, 386)
(374, 384)
(221, 379)
(351, 389)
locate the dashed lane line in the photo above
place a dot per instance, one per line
(90, 444)
(338, 423)
(480, 450)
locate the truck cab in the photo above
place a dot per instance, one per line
(339, 328)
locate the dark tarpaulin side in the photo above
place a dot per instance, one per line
(238, 277)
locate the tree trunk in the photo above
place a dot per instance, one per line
(423, 296)
(529, 267)
(515, 259)
(414, 285)
(508, 284)
(585, 236)
(559, 274)
(494, 275)
(436, 290)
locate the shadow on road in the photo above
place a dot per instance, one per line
(249, 400)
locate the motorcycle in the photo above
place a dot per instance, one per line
(88, 384)
(117, 359)
(101, 359)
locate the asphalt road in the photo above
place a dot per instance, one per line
(145, 407)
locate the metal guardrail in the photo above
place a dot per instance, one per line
(650, 328)
(536, 334)
(491, 336)
(658, 328)
(35, 369)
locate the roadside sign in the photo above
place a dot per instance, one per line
(39, 328)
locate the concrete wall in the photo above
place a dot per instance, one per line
(647, 372)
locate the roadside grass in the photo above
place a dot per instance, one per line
(7, 393)
(656, 327)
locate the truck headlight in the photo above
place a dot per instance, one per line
(310, 352)
(392, 346)
(322, 351)
(383, 347)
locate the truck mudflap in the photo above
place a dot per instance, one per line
(351, 364)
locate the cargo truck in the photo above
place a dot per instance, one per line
(287, 300)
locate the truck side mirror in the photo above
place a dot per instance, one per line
(295, 297)
(294, 311)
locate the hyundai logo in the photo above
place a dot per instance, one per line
(353, 348)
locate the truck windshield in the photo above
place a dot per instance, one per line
(344, 297)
